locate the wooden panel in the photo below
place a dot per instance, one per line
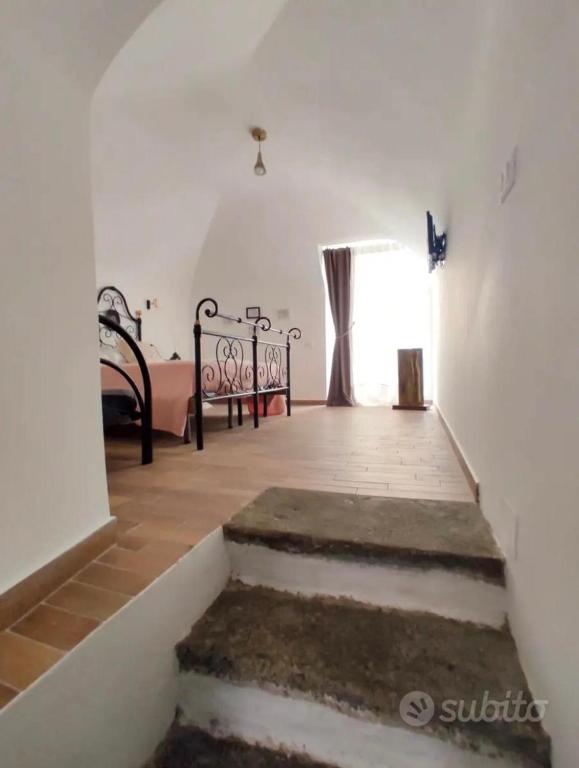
(410, 379)
(24, 596)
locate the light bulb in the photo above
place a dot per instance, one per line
(259, 167)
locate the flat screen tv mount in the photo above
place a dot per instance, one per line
(436, 244)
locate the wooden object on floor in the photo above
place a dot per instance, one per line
(410, 381)
(26, 594)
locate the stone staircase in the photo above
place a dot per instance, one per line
(187, 746)
(356, 632)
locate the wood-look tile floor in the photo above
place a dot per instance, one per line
(165, 508)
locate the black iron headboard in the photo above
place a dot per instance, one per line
(112, 304)
(244, 367)
(144, 399)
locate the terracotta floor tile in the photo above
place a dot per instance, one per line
(197, 531)
(132, 540)
(136, 511)
(180, 534)
(51, 626)
(151, 560)
(88, 601)
(22, 661)
(116, 579)
(124, 526)
(6, 694)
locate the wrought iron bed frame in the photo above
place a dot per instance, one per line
(270, 361)
(238, 381)
(110, 299)
(116, 318)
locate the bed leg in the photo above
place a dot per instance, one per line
(239, 411)
(190, 414)
(288, 391)
(198, 385)
(199, 426)
(229, 413)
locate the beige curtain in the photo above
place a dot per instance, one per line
(338, 266)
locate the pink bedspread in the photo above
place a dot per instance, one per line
(172, 383)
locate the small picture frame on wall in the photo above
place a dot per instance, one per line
(253, 313)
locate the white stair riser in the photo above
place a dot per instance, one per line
(263, 717)
(437, 590)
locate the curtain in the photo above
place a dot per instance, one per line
(391, 311)
(338, 267)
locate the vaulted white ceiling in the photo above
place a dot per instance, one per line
(361, 100)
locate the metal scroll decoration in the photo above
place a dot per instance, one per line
(275, 371)
(272, 371)
(228, 373)
(263, 323)
(112, 303)
(210, 311)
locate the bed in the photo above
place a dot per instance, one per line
(172, 382)
(128, 401)
(224, 368)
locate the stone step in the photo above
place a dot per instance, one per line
(327, 678)
(185, 747)
(437, 556)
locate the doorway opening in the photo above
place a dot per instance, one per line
(391, 310)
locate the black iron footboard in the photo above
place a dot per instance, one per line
(240, 368)
(144, 400)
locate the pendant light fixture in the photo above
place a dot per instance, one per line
(259, 134)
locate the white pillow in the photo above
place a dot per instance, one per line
(149, 351)
(111, 353)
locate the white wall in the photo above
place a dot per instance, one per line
(508, 380)
(51, 454)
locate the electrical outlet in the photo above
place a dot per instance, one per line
(508, 176)
(282, 314)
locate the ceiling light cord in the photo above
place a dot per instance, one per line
(259, 134)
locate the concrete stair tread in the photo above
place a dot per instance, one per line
(189, 747)
(418, 532)
(363, 660)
